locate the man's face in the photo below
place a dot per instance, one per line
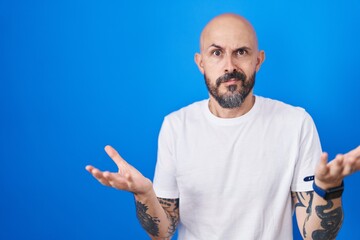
(229, 60)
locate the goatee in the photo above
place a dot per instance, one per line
(236, 95)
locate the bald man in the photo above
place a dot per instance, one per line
(236, 165)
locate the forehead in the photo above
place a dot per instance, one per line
(232, 32)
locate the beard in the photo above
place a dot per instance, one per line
(236, 93)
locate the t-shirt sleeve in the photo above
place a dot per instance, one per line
(165, 185)
(308, 156)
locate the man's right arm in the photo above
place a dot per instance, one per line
(158, 216)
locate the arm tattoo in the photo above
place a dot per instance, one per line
(300, 203)
(149, 223)
(171, 207)
(330, 221)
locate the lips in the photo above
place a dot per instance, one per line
(231, 81)
(230, 78)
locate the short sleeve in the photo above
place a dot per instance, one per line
(308, 156)
(165, 185)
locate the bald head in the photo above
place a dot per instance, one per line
(228, 27)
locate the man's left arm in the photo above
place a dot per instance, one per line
(321, 217)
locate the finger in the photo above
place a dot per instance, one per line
(354, 156)
(104, 182)
(115, 156)
(94, 171)
(117, 181)
(98, 175)
(337, 166)
(348, 170)
(322, 168)
(350, 165)
(89, 168)
(357, 166)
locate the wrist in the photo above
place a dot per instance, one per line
(327, 185)
(146, 193)
(329, 193)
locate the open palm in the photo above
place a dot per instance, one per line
(331, 174)
(127, 178)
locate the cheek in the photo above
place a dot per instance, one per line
(250, 67)
(213, 69)
(213, 64)
(211, 72)
(210, 78)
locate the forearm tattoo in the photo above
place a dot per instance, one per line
(151, 224)
(300, 203)
(171, 207)
(330, 221)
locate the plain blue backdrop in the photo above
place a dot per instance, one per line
(77, 75)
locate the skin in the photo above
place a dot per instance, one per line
(311, 210)
(228, 43)
(163, 212)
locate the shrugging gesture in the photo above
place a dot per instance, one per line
(127, 178)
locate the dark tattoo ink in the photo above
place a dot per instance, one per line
(331, 221)
(171, 207)
(300, 198)
(149, 223)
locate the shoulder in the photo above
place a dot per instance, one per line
(191, 111)
(284, 115)
(175, 123)
(278, 108)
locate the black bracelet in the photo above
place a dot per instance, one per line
(331, 193)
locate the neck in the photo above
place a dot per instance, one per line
(221, 112)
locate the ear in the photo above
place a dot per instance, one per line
(199, 62)
(260, 59)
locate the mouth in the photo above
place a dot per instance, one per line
(231, 81)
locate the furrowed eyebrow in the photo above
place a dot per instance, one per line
(240, 48)
(215, 46)
(243, 48)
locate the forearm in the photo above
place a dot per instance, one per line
(152, 216)
(319, 213)
(324, 218)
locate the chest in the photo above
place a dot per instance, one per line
(230, 161)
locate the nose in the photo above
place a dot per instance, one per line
(230, 65)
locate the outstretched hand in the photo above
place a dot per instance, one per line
(127, 178)
(329, 175)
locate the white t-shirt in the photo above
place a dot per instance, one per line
(234, 176)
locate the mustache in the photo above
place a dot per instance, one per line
(239, 76)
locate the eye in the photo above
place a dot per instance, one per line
(216, 52)
(241, 52)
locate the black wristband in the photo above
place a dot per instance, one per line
(331, 193)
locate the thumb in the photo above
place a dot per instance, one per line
(322, 168)
(115, 156)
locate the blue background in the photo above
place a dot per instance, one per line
(77, 75)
